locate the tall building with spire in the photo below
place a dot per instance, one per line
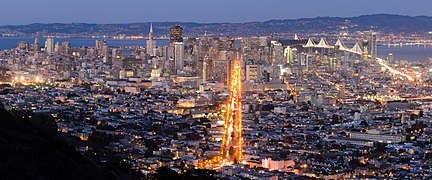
(151, 43)
(36, 45)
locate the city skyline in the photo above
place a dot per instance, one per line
(47, 11)
(268, 108)
(335, 90)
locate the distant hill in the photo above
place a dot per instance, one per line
(32, 151)
(386, 23)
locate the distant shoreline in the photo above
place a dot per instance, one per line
(384, 23)
(414, 53)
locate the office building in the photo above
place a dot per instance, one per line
(289, 55)
(176, 34)
(276, 53)
(373, 46)
(66, 48)
(178, 57)
(378, 136)
(99, 44)
(221, 71)
(253, 71)
(36, 45)
(49, 45)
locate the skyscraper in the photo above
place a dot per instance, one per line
(66, 48)
(178, 57)
(289, 55)
(105, 52)
(204, 72)
(202, 52)
(176, 34)
(36, 45)
(207, 73)
(151, 43)
(373, 46)
(49, 45)
(57, 48)
(99, 44)
(203, 47)
(221, 71)
(277, 53)
(226, 44)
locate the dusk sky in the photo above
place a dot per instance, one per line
(125, 11)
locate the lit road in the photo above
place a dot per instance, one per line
(232, 141)
(381, 62)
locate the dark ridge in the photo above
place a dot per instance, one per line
(27, 152)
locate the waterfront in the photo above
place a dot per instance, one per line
(11, 42)
(410, 53)
(413, 53)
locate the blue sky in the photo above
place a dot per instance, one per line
(125, 11)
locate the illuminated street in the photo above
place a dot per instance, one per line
(232, 141)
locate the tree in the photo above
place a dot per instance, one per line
(380, 147)
(354, 163)
(304, 106)
(198, 174)
(335, 119)
(256, 120)
(165, 173)
(364, 123)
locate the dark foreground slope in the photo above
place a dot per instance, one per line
(27, 152)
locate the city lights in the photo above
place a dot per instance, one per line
(232, 131)
(314, 98)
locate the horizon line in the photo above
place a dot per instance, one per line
(47, 23)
